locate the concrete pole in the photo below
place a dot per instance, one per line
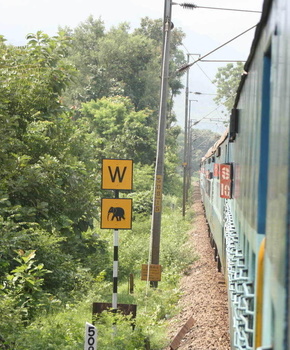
(189, 155)
(189, 150)
(185, 165)
(159, 169)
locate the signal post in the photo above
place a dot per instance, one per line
(116, 213)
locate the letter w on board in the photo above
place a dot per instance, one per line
(117, 174)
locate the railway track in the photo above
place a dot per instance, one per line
(204, 293)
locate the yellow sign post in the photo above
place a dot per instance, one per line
(116, 213)
(154, 272)
(117, 174)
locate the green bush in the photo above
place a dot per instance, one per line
(63, 330)
(24, 285)
(62, 327)
(142, 202)
(115, 331)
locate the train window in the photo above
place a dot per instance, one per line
(252, 265)
(208, 187)
(264, 143)
(234, 124)
(218, 151)
(226, 153)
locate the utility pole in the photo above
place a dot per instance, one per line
(185, 164)
(185, 152)
(159, 168)
(189, 149)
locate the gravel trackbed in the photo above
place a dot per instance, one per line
(204, 294)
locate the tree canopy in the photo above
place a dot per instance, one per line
(67, 102)
(121, 62)
(227, 81)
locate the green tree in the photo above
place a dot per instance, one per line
(127, 59)
(49, 175)
(42, 170)
(153, 29)
(227, 81)
(91, 81)
(118, 130)
(120, 62)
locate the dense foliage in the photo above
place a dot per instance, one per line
(120, 62)
(66, 102)
(227, 81)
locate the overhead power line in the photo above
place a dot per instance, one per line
(230, 61)
(206, 116)
(188, 65)
(193, 6)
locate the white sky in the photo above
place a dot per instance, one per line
(205, 29)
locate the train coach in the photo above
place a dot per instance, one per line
(245, 182)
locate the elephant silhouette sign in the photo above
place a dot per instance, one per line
(116, 213)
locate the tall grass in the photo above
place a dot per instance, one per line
(64, 329)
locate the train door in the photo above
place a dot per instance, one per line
(262, 293)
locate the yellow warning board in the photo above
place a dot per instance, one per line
(116, 213)
(154, 272)
(117, 174)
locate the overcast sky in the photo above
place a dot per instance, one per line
(205, 29)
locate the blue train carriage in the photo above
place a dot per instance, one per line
(247, 204)
(254, 185)
(210, 194)
(258, 212)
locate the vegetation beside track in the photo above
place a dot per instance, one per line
(54, 132)
(61, 326)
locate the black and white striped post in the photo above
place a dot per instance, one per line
(115, 265)
(115, 270)
(117, 174)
